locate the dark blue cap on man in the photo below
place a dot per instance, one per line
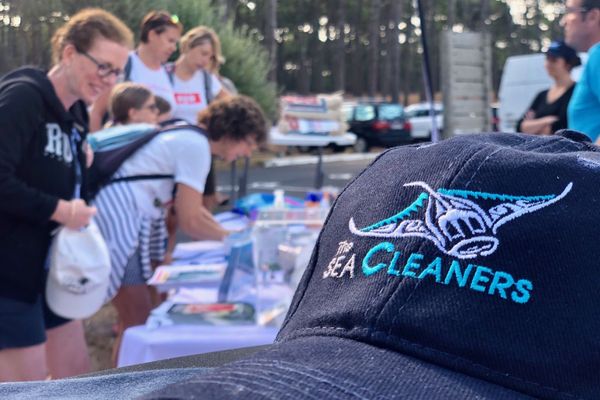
(464, 269)
(560, 49)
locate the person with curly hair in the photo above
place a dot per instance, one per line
(230, 128)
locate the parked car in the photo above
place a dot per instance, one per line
(379, 124)
(420, 120)
(419, 116)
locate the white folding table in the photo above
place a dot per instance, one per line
(141, 344)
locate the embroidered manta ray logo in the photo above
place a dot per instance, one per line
(460, 223)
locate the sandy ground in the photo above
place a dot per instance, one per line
(100, 337)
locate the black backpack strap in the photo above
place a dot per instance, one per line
(208, 86)
(106, 163)
(140, 178)
(170, 68)
(127, 69)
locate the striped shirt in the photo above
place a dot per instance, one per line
(125, 230)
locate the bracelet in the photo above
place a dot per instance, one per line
(72, 212)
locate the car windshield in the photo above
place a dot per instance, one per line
(390, 111)
(364, 113)
(347, 110)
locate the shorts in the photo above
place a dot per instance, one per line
(24, 324)
(134, 274)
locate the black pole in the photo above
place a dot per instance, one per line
(427, 74)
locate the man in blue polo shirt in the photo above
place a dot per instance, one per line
(581, 21)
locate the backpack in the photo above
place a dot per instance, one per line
(113, 146)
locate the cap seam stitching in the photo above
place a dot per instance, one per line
(286, 367)
(405, 341)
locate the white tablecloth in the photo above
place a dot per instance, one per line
(141, 344)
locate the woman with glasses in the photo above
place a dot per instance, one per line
(132, 103)
(159, 34)
(132, 212)
(548, 111)
(42, 176)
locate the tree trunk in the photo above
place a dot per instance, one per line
(356, 75)
(228, 9)
(315, 49)
(270, 42)
(485, 7)
(408, 61)
(373, 51)
(304, 63)
(394, 51)
(451, 13)
(339, 59)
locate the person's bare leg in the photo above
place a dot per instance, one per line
(23, 364)
(66, 351)
(133, 304)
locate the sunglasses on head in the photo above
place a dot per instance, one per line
(162, 20)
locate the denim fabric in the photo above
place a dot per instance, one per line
(115, 386)
(333, 369)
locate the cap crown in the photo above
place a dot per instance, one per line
(478, 254)
(80, 260)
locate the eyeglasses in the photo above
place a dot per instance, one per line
(572, 10)
(152, 107)
(104, 69)
(161, 19)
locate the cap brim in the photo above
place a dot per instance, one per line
(74, 306)
(334, 368)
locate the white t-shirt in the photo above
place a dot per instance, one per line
(190, 95)
(182, 153)
(156, 80)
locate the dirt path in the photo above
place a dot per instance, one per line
(100, 337)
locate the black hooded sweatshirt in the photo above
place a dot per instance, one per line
(37, 168)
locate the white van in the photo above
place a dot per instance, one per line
(522, 79)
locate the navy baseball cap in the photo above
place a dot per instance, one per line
(469, 268)
(560, 49)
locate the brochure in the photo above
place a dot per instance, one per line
(212, 313)
(166, 277)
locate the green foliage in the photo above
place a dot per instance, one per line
(306, 53)
(28, 43)
(246, 60)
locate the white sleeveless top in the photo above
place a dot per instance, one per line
(190, 95)
(156, 80)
